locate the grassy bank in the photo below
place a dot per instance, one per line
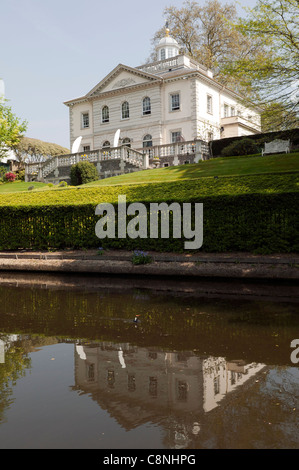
(228, 166)
(233, 167)
(169, 190)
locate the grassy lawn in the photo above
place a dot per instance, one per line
(20, 186)
(236, 175)
(228, 166)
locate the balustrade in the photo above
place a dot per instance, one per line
(137, 157)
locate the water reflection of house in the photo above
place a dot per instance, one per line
(221, 377)
(137, 384)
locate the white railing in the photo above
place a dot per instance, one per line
(157, 66)
(43, 169)
(139, 158)
(178, 148)
(32, 168)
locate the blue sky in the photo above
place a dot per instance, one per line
(52, 51)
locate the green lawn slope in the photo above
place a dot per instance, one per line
(221, 176)
(228, 166)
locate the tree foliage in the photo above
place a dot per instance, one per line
(35, 150)
(207, 33)
(83, 172)
(274, 74)
(11, 128)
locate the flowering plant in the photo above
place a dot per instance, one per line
(10, 176)
(141, 257)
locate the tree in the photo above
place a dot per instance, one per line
(207, 34)
(83, 173)
(277, 117)
(35, 150)
(274, 74)
(11, 129)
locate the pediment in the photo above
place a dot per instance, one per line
(122, 77)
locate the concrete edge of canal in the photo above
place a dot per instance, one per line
(206, 265)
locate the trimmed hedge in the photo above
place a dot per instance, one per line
(264, 223)
(240, 147)
(216, 146)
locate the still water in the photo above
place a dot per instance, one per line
(129, 364)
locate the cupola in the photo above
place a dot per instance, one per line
(167, 46)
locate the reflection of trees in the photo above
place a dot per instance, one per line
(249, 330)
(10, 371)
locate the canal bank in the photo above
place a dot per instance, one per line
(117, 262)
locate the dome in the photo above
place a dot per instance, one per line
(168, 41)
(167, 47)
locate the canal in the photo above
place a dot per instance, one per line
(112, 363)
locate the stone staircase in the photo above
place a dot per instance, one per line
(109, 162)
(118, 160)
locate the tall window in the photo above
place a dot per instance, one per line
(85, 120)
(175, 102)
(105, 114)
(226, 110)
(146, 106)
(163, 54)
(216, 385)
(125, 112)
(182, 390)
(147, 141)
(232, 111)
(209, 104)
(176, 137)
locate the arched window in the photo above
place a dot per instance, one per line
(125, 112)
(162, 54)
(106, 144)
(147, 141)
(105, 114)
(126, 141)
(146, 106)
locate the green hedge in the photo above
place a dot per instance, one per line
(259, 139)
(265, 223)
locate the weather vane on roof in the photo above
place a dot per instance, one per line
(167, 28)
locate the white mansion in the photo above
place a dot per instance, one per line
(170, 100)
(158, 114)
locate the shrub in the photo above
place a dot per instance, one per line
(3, 171)
(82, 173)
(21, 175)
(240, 147)
(10, 176)
(30, 188)
(62, 184)
(50, 185)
